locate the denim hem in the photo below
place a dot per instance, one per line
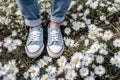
(57, 19)
(33, 23)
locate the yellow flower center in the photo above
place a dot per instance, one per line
(12, 71)
(99, 70)
(3, 69)
(70, 76)
(75, 62)
(46, 78)
(61, 61)
(86, 60)
(84, 71)
(33, 71)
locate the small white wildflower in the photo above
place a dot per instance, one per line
(103, 52)
(17, 42)
(102, 18)
(69, 42)
(87, 60)
(77, 56)
(26, 75)
(116, 42)
(9, 77)
(4, 69)
(84, 72)
(86, 43)
(47, 59)
(45, 77)
(14, 70)
(99, 59)
(107, 35)
(100, 70)
(51, 69)
(41, 63)
(34, 71)
(115, 60)
(14, 33)
(62, 61)
(70, 75)
(67, 31)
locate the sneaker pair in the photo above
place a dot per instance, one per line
(35, 46)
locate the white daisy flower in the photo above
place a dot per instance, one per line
(12, 63)
(71, 75)
(94, 4)
(95, 47)
(80, 7)
(26, 75)
(86, 42)
(14, 70)
(47, 59)
(99, 59)
(17, 42)
(34, 71)
(102, 18)
(84, 72)
(62, 61)
(107, 35)
(69, 42)
(7, 41)
(65, 23)
(116, 42)
(9, 77)
(11, 47)
(103, 46)
(75, 63)
(74, 16)
(99, 70)
(82, 25)
(76, 25)
(4, 69)
(41, 63)
(46, 77)
(51, 69)
(69, 68)
(92, 27)
(115, 60)
(88, 21)
(67, 30)
(14, 33)
(103, 52)
(89, 78)
(87, 60)
(60, 70)
(77, 56)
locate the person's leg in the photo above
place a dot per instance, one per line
(55, 45)
(34, 45)
(30, 11)
(58, 11)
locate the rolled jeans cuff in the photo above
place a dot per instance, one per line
(33, 23)
(57, 19)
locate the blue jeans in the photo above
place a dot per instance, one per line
(30, 11)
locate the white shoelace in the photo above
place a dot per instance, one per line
(35, 36)
(54, 36)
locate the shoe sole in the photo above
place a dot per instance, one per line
(54, 55)
(35, 54)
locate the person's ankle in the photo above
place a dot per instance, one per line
(54, 25)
